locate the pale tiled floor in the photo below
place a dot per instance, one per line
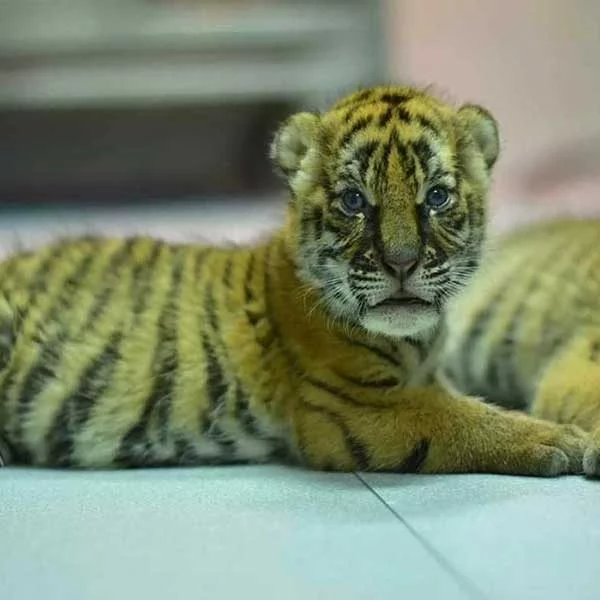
(281, 533)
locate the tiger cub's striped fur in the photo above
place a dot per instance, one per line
(525, 333)
(313, 345)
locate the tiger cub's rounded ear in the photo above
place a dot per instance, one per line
(484, 129)
(293, 140)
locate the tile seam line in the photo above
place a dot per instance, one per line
(465, 583)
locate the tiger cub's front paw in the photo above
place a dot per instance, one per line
(547, 449)
(591, 458)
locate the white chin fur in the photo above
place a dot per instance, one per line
(401, 321)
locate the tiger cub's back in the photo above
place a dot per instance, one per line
(538, 289)
(90, 328)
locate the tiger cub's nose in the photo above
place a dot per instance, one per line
(402, 263)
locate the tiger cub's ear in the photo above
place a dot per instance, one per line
(293, 142)
(484, 130)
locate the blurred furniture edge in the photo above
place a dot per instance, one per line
(65, 53)
(129, 100)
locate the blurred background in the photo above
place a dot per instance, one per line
(155, 115)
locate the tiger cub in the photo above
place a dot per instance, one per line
(312, 346)
(525, 333)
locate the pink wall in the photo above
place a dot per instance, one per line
(536, 65)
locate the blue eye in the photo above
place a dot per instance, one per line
(353, 202)
(437, 198)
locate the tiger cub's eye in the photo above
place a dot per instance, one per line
(437, 198)
(353, 202)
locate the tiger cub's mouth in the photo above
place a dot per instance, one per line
(403, 299)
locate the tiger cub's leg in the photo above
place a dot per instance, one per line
(426, 429)
(569, 392)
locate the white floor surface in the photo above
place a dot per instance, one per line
(284, 533)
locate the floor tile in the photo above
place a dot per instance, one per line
(256, 532)
(513, 537)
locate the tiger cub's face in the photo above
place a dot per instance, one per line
(388, 203)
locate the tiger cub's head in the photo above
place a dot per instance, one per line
(387, 216)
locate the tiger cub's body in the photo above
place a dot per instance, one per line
(525, 333)
(314, 345)
(139, 352)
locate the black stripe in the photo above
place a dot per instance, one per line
(356, 98)
(403, 154)
(142, 279)
(415, 461)
(376, 234)
(8, 337)
(227, 271)
(216, 383)
(385, 117)
(340, 394)
(96, 378)
(357, 126)
(167, 355)
(466, 359)
(305, 227)
(248, 291)
(199, 260)
(406, 116)
(384, 382)
(292, 359)
(439, 173)
(328, 252)
(426, 123)
(135, 447)
(317, 219)
(459, 222)
(595, 351)
(243, 414)
(217, 388)
(273, 331)
(59, 439)
(384, 162)
(410, 163)
(108, 279)
(389, 358)
(405, 157)
(364, 154)
(40, 278)
(424, 153)
(37, 377)
(335, 229)
(358, 451)
(76, 408)
(50, 353)
(501, 373)
(278, 449)
(253, 315)
(396, 98)
(403, 115)
(210, 308)
(186, 453)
